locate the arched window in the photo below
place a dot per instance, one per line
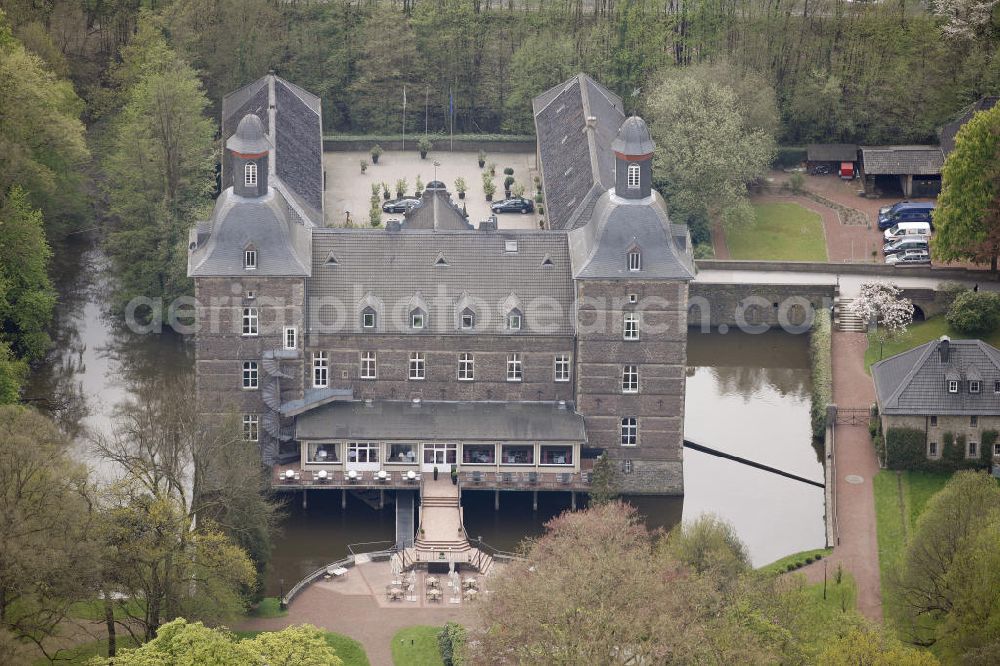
(633, 176)
(250, 174)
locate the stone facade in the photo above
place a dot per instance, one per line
(935, 428)
(756, 306)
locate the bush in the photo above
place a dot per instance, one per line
(507, 182)
(796, 182)
(508, 171)
(376, 151)
(424, 145)
(975, 312)
(790, 567)
(906, 448)
(821, 361)
(451, 642)
(809, 560)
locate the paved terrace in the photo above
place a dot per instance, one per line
(395, 480)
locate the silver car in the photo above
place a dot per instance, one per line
(909, 258)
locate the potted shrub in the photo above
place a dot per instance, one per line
(376, 152)
(364, 166)
(482, 159)
(375, 190)
(375, 213)
(492, 168)
(518, 190)
(419, 186)
(488, 186)
(507, 182)
(454, 475)
(386, 194)
(508, 171)
(401, 185)
(460, 187)
(424, 146)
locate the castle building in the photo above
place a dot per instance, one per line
(372, 356)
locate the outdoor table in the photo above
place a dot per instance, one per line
(395, 593)
(471, 593)
(434, 594)
(337, 572)
(470, 583)
(432, 582)
(382, 475)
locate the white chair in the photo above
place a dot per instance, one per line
(411, 475)
(289, 474)
(322, 475)
(352, 475)
(382, 475)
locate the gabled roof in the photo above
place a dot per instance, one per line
(436, 210)
(950, 130)
(575, 159)
(915, 382)
(296, 140)
(902, 160)
(832, 152)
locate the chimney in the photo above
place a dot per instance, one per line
(944, 347)
(488, 225)
(591, 122)
(393, 225)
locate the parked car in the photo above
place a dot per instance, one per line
(399, 205)
(902, 229)
(909, 258)
(513, 205)
(905, 211)
(905, 243)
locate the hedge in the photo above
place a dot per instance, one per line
(451, 642)
(821, 359)
(789, 156)
(906, 448)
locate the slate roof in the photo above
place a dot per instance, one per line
(390, 269)
(832, 152)
(268, 223)
(633, 138)
(950, 130)
(915, 382)
(297, 138)
(250, 137)
(599, 248)
(436, 210)
(442, 420)
(902, 160)
(574, 159)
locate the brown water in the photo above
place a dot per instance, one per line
(747, 394)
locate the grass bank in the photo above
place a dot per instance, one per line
(416, 646)
(917, 334)
(797, 559)
(821, 362)
(780, 232)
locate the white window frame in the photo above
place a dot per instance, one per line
(630, 378)
(250, 259)
(629, 431)
(467, 320)
(251, 375)
(251, 428)
(251, 322)
(996, 387)
(975, 386)
(417, 320)
(634, 260)
(952, 386)
(630, 326)
(561, 368)
(371, 450)
(514, 321)
(418, 366)
(466, 367)
(367, 315)
(973, 421)
(633, 176)
(250, 174)
(321, 370)
(290, 337)
(515, 369)
(369, 365)
(932, 450)
(627, 466)
(972, 450)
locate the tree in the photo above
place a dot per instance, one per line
(967, 217)
(48, 552)
(603, 488)
(975, 312)
(540, 62)
(872, 646)
(159, 169)
(706, 149)
(949, 578)
(709, 544)
(183, 642)
(880, 305)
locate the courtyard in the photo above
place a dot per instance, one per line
(350, 190)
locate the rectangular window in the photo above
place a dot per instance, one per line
(630, 379)
(634, 261)
(250, 321)
(627, 466)
(996, 387)
(250, 259)
(362, 452)
(973, 421)
(515, 454)
(417, 366)
(630, 326)
(630, 431)
(321, 378)
(368, 319)
(973, 450)
(325, 452)
(633, 176)
(932, 450)
(417, 320)
(466, 367)
(250, 375)
(368, 369)
(514, 321)
(402, 454)
(468, 320)
(479, 454)
(562, 368)
(514, 373)
(251, 423)
(996, 449)
(952, 386)
(933, 421)
(290, 337)
(975, 386)
(557, 455)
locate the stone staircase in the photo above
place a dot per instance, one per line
(844, 319)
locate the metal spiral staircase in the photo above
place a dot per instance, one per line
(275, 429)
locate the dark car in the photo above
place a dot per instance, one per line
(904, 244)
(399, 205)
(513, 205)
(905, 211)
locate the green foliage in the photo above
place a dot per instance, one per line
(603, 485)
(451, 643)
(376, 152)
(401, 186)
(906, 449)
(419, 646)
(789, 562)
(821, 364)
(508, 171)
(708, 544)
(424, 144)
(507, 182)
(13, 372)
(375, 213)
(796, 182)
(460, 185)
(419, 186)
(517, 189)
(789, 156)
(975, 313)
(364, 167)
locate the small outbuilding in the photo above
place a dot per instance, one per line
(950, 130)
(838, 158)
(914, 170)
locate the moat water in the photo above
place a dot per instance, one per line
(746, 394)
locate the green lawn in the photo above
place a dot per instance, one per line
(268, 607)
(780, 232)
(348, 649)
(780, 566)
(918, 334)
(416, 646)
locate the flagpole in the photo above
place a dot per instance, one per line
(427, 92)
(404, 117)
(451, 118)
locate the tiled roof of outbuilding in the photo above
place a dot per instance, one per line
(832, 152)
(950, 130)
(902, 160)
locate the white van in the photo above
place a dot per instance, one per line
(904, 229)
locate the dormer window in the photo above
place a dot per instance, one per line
(368, 319)
(952, 386)
(250, 174)
(975, 386)
(514, 320)
(250, 259)
(634, 260)
(417, 319)
(633, 176)
(468, 320)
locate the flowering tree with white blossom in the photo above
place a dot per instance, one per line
(880, 304)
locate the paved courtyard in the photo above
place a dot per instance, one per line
(347, 189)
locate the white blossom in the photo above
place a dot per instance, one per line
(880, 303)
(964, 19)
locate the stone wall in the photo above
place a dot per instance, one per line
(956, 425)
(756, 306)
